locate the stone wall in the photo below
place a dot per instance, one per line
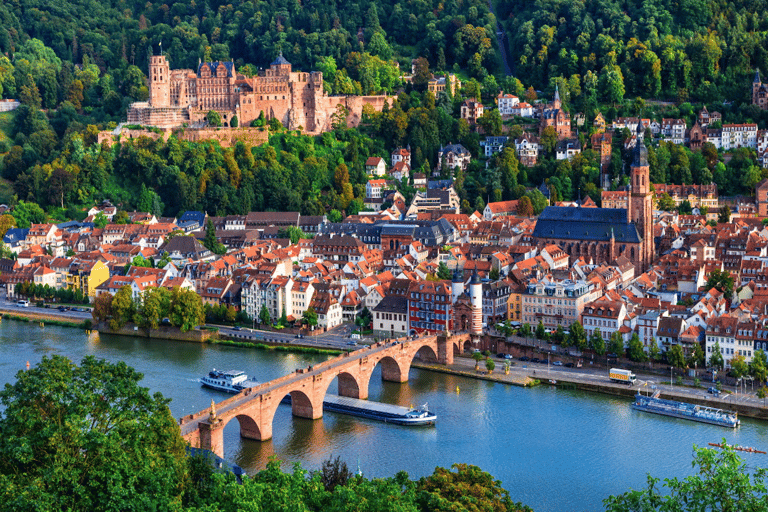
(226, 137)
(165, 333)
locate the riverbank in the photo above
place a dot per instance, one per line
(43, 319)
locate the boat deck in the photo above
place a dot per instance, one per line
(376, 407)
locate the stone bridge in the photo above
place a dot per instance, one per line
(255, 407)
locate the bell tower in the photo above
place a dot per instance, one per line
(159, 81)
(641, 201)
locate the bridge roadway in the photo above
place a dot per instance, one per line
(255, 407)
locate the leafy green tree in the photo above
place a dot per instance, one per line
(758, 367)
(27, 214)
(264, 317)
(540, 332)
(722, 281)
(559, 334)
(739, 366)
(721, 482)
(525, 330)
(724, 216)
(443, 272)
(477, 356)
(675, 356)
(102, 307)
(293, 233)
(635, 350)
(213, 118)
(665, 202)
(310, 317)
(697, 357)
(100, 221)
(123, 308)
(653, 350)
(490, 365)
(716, 359)
(211, 242)
(155, 305)
(464, 487)
(762, 392)
(597, 343)
(577, 337)
(88, 437)
(186, 309)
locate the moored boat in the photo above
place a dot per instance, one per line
(684, 410)
(747, 449)
(230, 381)
(387, 413)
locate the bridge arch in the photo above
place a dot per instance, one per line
(249, 427)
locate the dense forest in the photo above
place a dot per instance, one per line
(702, 50)
(76, 67)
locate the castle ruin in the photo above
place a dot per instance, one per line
(184, 97)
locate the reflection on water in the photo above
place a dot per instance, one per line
(554, 450)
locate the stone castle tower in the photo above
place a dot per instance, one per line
(641, 201)
(159, 82)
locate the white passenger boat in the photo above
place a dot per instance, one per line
(231, 381)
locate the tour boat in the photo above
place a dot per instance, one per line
(387, 413)
(231, 381)
(684, 410)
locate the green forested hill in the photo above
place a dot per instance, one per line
(447, 32)
(702, 50)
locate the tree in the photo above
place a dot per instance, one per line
(653, 350)
(464, 487)
(716, 359)
(685, 208)
(490, 365)
(334, 472)
(293, 233)
(100, 220)
(310, 316)
(597, 343)
(477, 356)
(524, 207)
(762, 392)
(443, 272)
(616, 344)
(186, 309)
(635, 350)
(758, 367)
(724, 217)
(559, 334)
(577, 337)
(6, 222)
(211, 242)
(155, 305)
(739, 366)
(723, 482)
(722, 281)
(27, 214)
(421, 74)
(665, 202)
(264, 317)
(88, 437)
(123, 308)
(697, 357)
(213, 118)
(494, 274)
(675, 356)
(525, 330)
(234, 122)
(102, 307)
(540, 332)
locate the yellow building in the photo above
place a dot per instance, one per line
(514, 303)
(86, 276)
(599, 123)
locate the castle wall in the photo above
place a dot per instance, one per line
(226, 137)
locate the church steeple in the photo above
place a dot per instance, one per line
(641, 202)
(556, 102)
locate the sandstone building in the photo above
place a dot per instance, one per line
(297, 99)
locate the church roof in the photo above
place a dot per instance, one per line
(587, 224)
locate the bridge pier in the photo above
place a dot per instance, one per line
(445, 348)
(350, 387)
(212, 437)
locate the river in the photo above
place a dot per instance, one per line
(554, 450)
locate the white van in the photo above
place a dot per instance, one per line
(23, 304)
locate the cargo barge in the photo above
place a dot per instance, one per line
(686, 411)
(387, 413)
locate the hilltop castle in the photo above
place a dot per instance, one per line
(296, 99)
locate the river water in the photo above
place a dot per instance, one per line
(554, 450)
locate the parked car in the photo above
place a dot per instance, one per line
(557, 363)
(524, 358)
(237, 328)
(569, 365)
(507, 356)
(500, 355)
(713, 391)
(23, 304)
(352, 343)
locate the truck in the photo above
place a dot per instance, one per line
(623, 376)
